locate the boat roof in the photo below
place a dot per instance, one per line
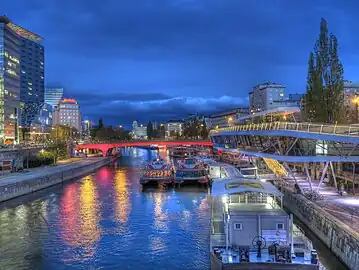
(241, 185)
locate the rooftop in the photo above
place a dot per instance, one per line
(22, 32)
(242, 185)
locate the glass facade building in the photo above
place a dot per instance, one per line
(10, 50)
(53, 96)
(32, 86)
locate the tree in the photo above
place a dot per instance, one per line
(100, 124)
(204, 131)
(324, 99)
(150, 133)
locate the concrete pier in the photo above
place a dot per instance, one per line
(342, 240)
(19, 184)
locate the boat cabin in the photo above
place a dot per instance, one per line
(249, 224)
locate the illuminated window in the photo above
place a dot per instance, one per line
(281, 94)
(29, 83)
(30, 88)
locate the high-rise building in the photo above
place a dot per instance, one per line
(263, 96)
(68, 113)
(53, 96)
(10, 52)
(32, 86)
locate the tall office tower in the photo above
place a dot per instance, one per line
(53, 96)
(10, 50)
(31, 74)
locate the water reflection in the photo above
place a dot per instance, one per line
(122, 197)
(104, 221)
(79, 215)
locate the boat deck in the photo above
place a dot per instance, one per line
(231, 256)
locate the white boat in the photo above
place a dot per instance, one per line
(158, 171)
(250, 230)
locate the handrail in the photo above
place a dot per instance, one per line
(343, 130)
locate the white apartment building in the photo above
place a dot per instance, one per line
(172, 128)
(263, 96)
(139, 131)
(67, 113)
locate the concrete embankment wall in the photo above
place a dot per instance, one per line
(337, 236)
(35, 183)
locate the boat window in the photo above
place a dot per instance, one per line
(223, 173)
(248, 171)
(218, 227)
(190, 161)
(280, 226)
(244, 185)
(238, 226)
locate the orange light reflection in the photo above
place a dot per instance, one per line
(123, 204)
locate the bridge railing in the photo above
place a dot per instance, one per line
(344, 130)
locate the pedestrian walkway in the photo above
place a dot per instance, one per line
(41, 171)
(345, 208)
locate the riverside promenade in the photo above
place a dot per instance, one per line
(22, 183)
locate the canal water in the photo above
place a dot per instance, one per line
(105, 221)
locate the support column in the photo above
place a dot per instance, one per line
(308, 176)
(333, 173)
(323, 174)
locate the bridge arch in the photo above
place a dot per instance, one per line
(105, 147)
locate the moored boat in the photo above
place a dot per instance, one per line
(182, 152)
(190, 171)
(250, 230)
(157, 172)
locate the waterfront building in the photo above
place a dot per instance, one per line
(263, 95)
(10, 53)
(225, 119)
(68, 113)
(173, 128)
(139, 131)
(32, 86)
(53, 96)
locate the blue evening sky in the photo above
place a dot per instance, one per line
(161, 59)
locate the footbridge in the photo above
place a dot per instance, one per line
(290, 144)
(106, 148)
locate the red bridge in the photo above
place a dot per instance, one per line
(106, 147)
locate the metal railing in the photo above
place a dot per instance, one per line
(344, 130)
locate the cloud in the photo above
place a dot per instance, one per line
(153, 107)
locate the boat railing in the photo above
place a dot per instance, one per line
(331, 129)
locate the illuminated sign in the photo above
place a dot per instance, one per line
(68, 100)
(24, 33)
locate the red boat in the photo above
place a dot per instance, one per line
(190, 171)
(157, 172)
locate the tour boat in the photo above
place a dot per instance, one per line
(249, 227)
(190, 170)
(182, 152)
(158, 171)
